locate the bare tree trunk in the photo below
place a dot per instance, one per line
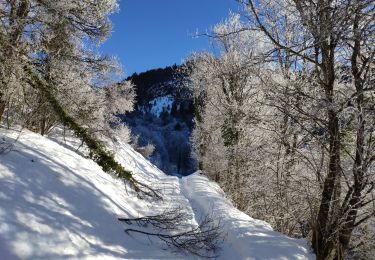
(323, 240)
(2, 106)
(358, 168)
(43, 125)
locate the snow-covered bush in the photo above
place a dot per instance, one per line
(147, 150)
(123, 133)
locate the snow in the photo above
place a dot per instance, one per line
(247, 238)
(161, 103)
(57, 204)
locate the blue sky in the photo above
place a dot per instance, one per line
(156, 33)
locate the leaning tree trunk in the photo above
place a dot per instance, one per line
(97, 151)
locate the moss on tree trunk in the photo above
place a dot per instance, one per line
(97, 151)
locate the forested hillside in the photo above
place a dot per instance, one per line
(163, 119)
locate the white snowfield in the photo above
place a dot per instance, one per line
(56, 204)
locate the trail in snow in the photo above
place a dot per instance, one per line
(247, 238)
(56, 204)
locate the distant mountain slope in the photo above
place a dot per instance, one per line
(164, 117)
(56, 204)
(157, 83)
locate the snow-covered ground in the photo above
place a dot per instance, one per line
(57, 204)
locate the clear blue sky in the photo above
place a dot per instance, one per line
(156, 33)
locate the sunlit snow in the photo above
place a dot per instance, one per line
(56, 204)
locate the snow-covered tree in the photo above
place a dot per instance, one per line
(59, 40)
(335, 44)
(226, 89)
(303, 140)
(51, 73)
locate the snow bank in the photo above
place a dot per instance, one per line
(247, 238)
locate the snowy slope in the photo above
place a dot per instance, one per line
(56, 204)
